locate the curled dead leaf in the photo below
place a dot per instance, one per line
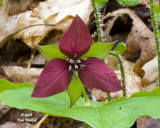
(138, 37)
(48, 12)
(32, 35)
(151, 71)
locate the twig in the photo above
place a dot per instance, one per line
(29, 27)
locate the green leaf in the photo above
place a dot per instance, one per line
(155, 92)
(159, 33)
(156, 8)
(50, 52)
(6, 85)
(99, 50)
(121, 47)
(114, 101)
(57, 105)
(119, 113)
(74, 89)
(157, 17)
(100, 3)
(1, 2)
(129, 2)
(127, 111)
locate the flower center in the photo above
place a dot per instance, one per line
(75, 64)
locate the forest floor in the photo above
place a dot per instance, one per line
(21, 62)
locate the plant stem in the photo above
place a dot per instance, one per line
(156, 36)
(99, 29)
(85, 95)
(122, 74)
(85, 125)
(98, 21)
(109, 97)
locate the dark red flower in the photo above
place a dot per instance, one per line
(93, 72)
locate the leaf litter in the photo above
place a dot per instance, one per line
(139, 61)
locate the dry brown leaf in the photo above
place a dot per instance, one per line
(98, 95)
(32, 35)
(148, 122)
(37, 60)
(151, 71)
(3, 16)
(150, 86)
(5, 20)
(3, 109)
(21, 75)
(50, 11)
(58, 122)
(21, 116)
(133, 81)
(112, 62)
(16, 125)
(19, 6)
(63, 24)
(140, 38)
(58, 11)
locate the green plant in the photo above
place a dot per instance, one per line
(101, 3)
(155, 11)
(1, 2)
(121, 112)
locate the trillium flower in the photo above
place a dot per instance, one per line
(77, 63)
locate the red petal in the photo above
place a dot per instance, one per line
(96, 74)
(54, 79)
(77, 39)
